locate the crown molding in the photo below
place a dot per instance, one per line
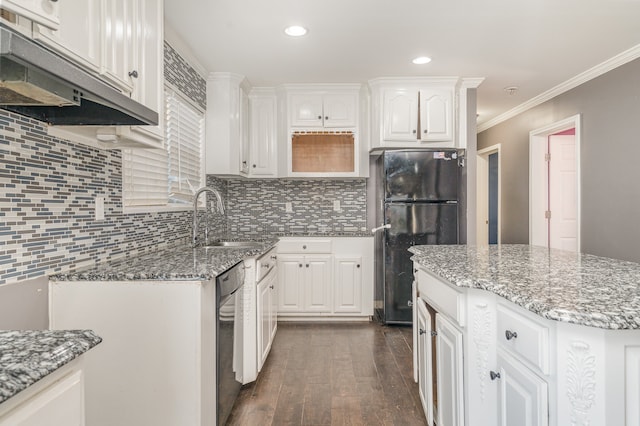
(596, 71)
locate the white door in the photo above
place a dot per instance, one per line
(290, 277)
(347, 287)
(522, 395)
(263, 308)
(436, 115)
(119, 46)
(263, 136)
(339, 110)
(400, 115)
(425, 353)
(245, 139)
(78, 36)
(317, 285)
(563, 228)
(449, 373)
(306, 110)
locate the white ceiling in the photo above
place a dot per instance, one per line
(532, 44)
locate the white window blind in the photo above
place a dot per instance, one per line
(144, 175)
(185, 146)
(170, 176)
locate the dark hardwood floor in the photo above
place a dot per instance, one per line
(333, 374)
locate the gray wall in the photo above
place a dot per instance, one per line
(610, 111)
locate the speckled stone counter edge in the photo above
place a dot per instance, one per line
(29, 356)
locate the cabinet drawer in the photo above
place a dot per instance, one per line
(442, 296)
(304, 246)
(523, 336)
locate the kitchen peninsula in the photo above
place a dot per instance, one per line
(524, 334)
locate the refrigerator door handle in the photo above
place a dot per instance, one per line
(381, 227)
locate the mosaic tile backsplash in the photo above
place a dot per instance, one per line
(255, 208)
(47, 191)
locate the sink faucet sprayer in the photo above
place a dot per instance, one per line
(219, 206)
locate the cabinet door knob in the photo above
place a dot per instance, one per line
(425, 131)
(357, 266)
(421, 331)
(304, 247)
(307, 265)
(434, 333)
(133, 74)
(494, 375)
(319, 117)
(300, 265)
(415, 131)
(254, 166)
(510, 334)
(326, 117)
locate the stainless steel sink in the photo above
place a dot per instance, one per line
(236, 244)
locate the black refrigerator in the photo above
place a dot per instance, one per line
(417, 197)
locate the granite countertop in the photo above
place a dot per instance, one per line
(172, 263)
(28, 356)
(558, 285)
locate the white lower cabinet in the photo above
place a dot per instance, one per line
(325, 277)
(59, 403)
(267, 316)
(347, 288)
(522, 395)
(306, 284)
(425, 359)
(449, 373)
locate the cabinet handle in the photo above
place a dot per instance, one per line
(326, 117)
(254, 166)
(300, 265)
(357, 266)
(510, 334)
(319, 117)
(415, 131)
(274, 257)
(271, 287)
(133, 74)
(409, 303)
(265, 265)
(304, 247)
(434, 333)
(494, 375)
(422, 332)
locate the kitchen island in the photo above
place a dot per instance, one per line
(529, 335)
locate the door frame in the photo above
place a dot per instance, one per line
(538, 179)
(482, 193)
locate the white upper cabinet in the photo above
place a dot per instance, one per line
(401, 115)
(413, 112)
(119, 43)
(262, 153)
(323, 110)
(79, 42)
(44, 12)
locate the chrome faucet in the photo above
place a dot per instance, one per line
(219, 206)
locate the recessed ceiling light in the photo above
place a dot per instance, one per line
(295, 31)
(421, 60)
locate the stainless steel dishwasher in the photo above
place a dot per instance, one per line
(229, 339)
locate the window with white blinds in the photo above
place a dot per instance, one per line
(170, 176)
(185, 146)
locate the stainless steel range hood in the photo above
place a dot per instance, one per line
(38, 83)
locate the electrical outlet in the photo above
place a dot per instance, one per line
(288, 207)
(99, 208)
(336, 205)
